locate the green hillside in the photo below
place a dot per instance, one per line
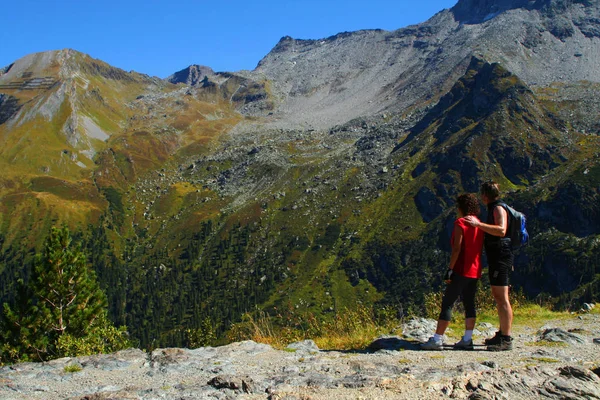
(185, 219)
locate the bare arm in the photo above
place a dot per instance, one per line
(500, 223)
(456, 245)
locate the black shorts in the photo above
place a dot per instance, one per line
(500, 261)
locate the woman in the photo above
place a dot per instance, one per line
(463, 274)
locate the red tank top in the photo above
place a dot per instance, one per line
(469, 260)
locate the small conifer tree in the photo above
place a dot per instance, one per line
(62, 311)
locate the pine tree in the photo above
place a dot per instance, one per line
(66, 311)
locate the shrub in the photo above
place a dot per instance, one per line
(205, 335)
(101, 339)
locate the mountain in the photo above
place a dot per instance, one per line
(192, 75)
(368, 72)
(324, 177)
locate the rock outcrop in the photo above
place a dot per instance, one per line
(9, 106)
(192, 75)
(391, 368)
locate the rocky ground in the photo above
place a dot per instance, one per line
(559, 360)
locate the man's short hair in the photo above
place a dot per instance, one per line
(491, 190)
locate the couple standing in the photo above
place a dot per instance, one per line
(468, 238)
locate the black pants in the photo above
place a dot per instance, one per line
(459, 285)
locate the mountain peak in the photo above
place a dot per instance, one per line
(41, 64)
(191, 75)
(36, 64)
(477, 11)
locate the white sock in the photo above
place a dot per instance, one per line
(437, 338)
(468, 336)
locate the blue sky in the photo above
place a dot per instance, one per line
(162, 37)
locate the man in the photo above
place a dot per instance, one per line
(500, 261)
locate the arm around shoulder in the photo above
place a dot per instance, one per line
(497, 229)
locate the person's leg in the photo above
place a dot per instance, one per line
(453, 290)
(499, 281)
(470, 324)
(451, 294)
(504, 308)
(493, 256)
(441, 327)
(468, 296)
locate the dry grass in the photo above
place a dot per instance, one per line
(357, 328)
(348, 330)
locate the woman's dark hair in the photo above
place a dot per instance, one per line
(491, 190)
(468, 204)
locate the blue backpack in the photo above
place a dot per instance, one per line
(517, 230)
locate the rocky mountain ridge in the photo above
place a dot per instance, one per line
(396, 70)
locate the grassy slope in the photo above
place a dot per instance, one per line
(516, 118)
(41, 177)
(316, 282)
(315, 234)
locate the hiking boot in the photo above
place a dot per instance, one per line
(431, 344)
(494, 339)
(463, 345)
(503, 344)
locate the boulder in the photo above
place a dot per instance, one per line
(419, 329)
(558, 335)
(306, 346)
(392, 343)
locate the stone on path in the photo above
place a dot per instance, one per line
(392, 343)
(419, 329)
(558, 335)
(238, 384)
(307, 346)
(587, 307)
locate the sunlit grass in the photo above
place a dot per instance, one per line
(348, 330)
(534, 314)
(357, 328)
(535, 361)
(546, 343)
(71, 368)
(524, 315)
